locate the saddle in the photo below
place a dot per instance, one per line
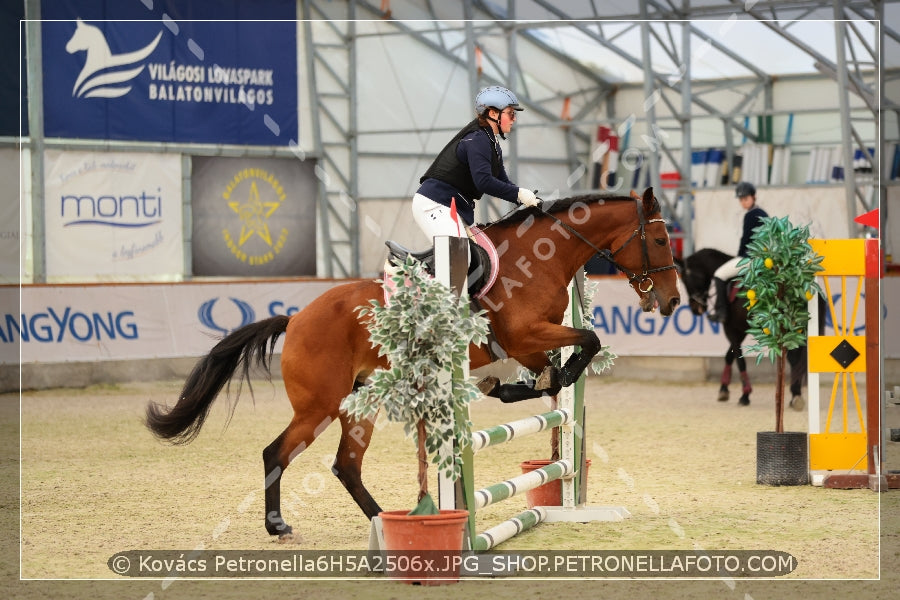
(483, 264)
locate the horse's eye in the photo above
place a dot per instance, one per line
(660, 241)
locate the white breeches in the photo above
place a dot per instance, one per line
(434, 219)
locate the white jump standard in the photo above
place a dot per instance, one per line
(450, 264)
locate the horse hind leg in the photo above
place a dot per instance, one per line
(347, 467)
(726, 376)
(746, 388)
(296, 438)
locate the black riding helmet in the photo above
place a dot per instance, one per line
(744, 188)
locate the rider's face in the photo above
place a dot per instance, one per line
(507, 118)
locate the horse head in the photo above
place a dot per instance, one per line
(645, 256)
(88, 38)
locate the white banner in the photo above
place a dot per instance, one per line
(86, 323)
(71, 323)
(112, 214)
(621, 324)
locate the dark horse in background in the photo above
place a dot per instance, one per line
(696, 273)
(327, 352)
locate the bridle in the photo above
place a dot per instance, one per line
(639, 278)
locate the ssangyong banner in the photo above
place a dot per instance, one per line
(253, 217)
(171, 71)
(134, 322)
(72, 323)
(111, 214)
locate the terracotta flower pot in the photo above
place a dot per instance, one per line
(424, 549)
(549, 494)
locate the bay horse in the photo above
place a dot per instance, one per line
(327, 353)
(696, 273)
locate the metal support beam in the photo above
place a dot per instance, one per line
(338, 168)
(685, 193)
(650, 92)
(36, 134)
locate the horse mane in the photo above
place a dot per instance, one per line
(555, 206)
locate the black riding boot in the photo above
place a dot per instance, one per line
(721, 308)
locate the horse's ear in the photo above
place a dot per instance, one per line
(635, 195)
(649, 201)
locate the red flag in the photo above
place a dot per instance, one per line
(454, 216)
(869, 219)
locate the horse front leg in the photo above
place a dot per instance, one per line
(798, 361)
(516, 392)
(553, 378)
(725, 381)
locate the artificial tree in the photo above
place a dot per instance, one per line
(424, 330)
(778, 279)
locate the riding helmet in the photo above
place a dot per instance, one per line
(744, 188)
(495, 97)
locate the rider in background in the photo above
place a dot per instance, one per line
(746, 195)
(469, 166)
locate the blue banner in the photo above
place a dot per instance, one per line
(13, 68)
(119, 71)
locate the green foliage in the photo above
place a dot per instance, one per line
(604, 359)
(424, 331)
(778, 278)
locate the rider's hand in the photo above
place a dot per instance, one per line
(527, 197)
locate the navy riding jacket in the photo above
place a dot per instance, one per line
(751, 221)
(472, 168)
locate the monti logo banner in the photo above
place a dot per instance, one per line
(112, 214)
(123, 71)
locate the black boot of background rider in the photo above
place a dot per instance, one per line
(721, 307)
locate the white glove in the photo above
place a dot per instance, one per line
(527, 197)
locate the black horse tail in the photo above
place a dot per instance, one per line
(244, 347)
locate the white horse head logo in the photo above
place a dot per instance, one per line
(104, 74)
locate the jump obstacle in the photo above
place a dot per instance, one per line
(844, 458)
(451, 263)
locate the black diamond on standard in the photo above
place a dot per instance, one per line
(844, 353)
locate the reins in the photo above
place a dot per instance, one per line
(609, 256)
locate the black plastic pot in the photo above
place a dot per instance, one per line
(782, 458)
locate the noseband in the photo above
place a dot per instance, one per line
(639, 278)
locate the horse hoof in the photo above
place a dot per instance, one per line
(288, 538)
(744, 401)
(488, 384)
(723, 397)
(547, 380)
(798, 403)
